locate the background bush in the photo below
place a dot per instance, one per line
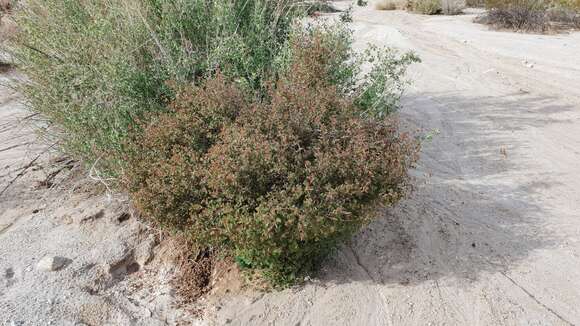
(532, 15)
(96, 67)
(279, 181)
(475, 3)
(427, 7)
(390, 4)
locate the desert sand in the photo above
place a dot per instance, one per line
(490, 235)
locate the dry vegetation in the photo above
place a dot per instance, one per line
(390, 4)
(229, 125)
(532, 15)
(276, 183)
(428, 7)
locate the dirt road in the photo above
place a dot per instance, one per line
(491, 236)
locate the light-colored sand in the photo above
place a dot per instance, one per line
(491, 235)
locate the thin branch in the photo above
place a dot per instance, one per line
(25, 169)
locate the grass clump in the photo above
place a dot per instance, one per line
(276, 182)
(94, 68)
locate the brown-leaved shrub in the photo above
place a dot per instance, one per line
(276, 182)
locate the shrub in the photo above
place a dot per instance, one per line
(96, 67)
(519, 15)
(276, 181)
(452, 7)
(532, 15)
(377, 90)
(390, 4)
(346, 16)
(475, 3)
(565, 12)
(426, 7)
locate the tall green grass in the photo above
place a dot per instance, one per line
(96, 67)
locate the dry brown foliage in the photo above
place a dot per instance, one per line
(275, 182)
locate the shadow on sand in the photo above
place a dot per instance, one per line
(476, 206)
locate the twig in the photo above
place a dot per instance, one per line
(100, 179)
(14, 146)
(25, 168)
(533, 297)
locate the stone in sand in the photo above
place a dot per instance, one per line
(51, 263)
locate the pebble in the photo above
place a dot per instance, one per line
(51, 263)
(528, 64)
(144, 252)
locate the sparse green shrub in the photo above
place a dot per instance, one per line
(565, 12)
(452, 7)
(346, 16)
(536, 5)
(390, 4)
(314, 7)
(568, 4)
(426, 7)
(377, 90)
(95, 67)
(276, 181)
(475, 3)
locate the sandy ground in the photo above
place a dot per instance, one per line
(489, 237)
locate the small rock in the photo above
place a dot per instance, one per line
(144, 252)
(9, 273)
(528, 64)
(52, 263)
